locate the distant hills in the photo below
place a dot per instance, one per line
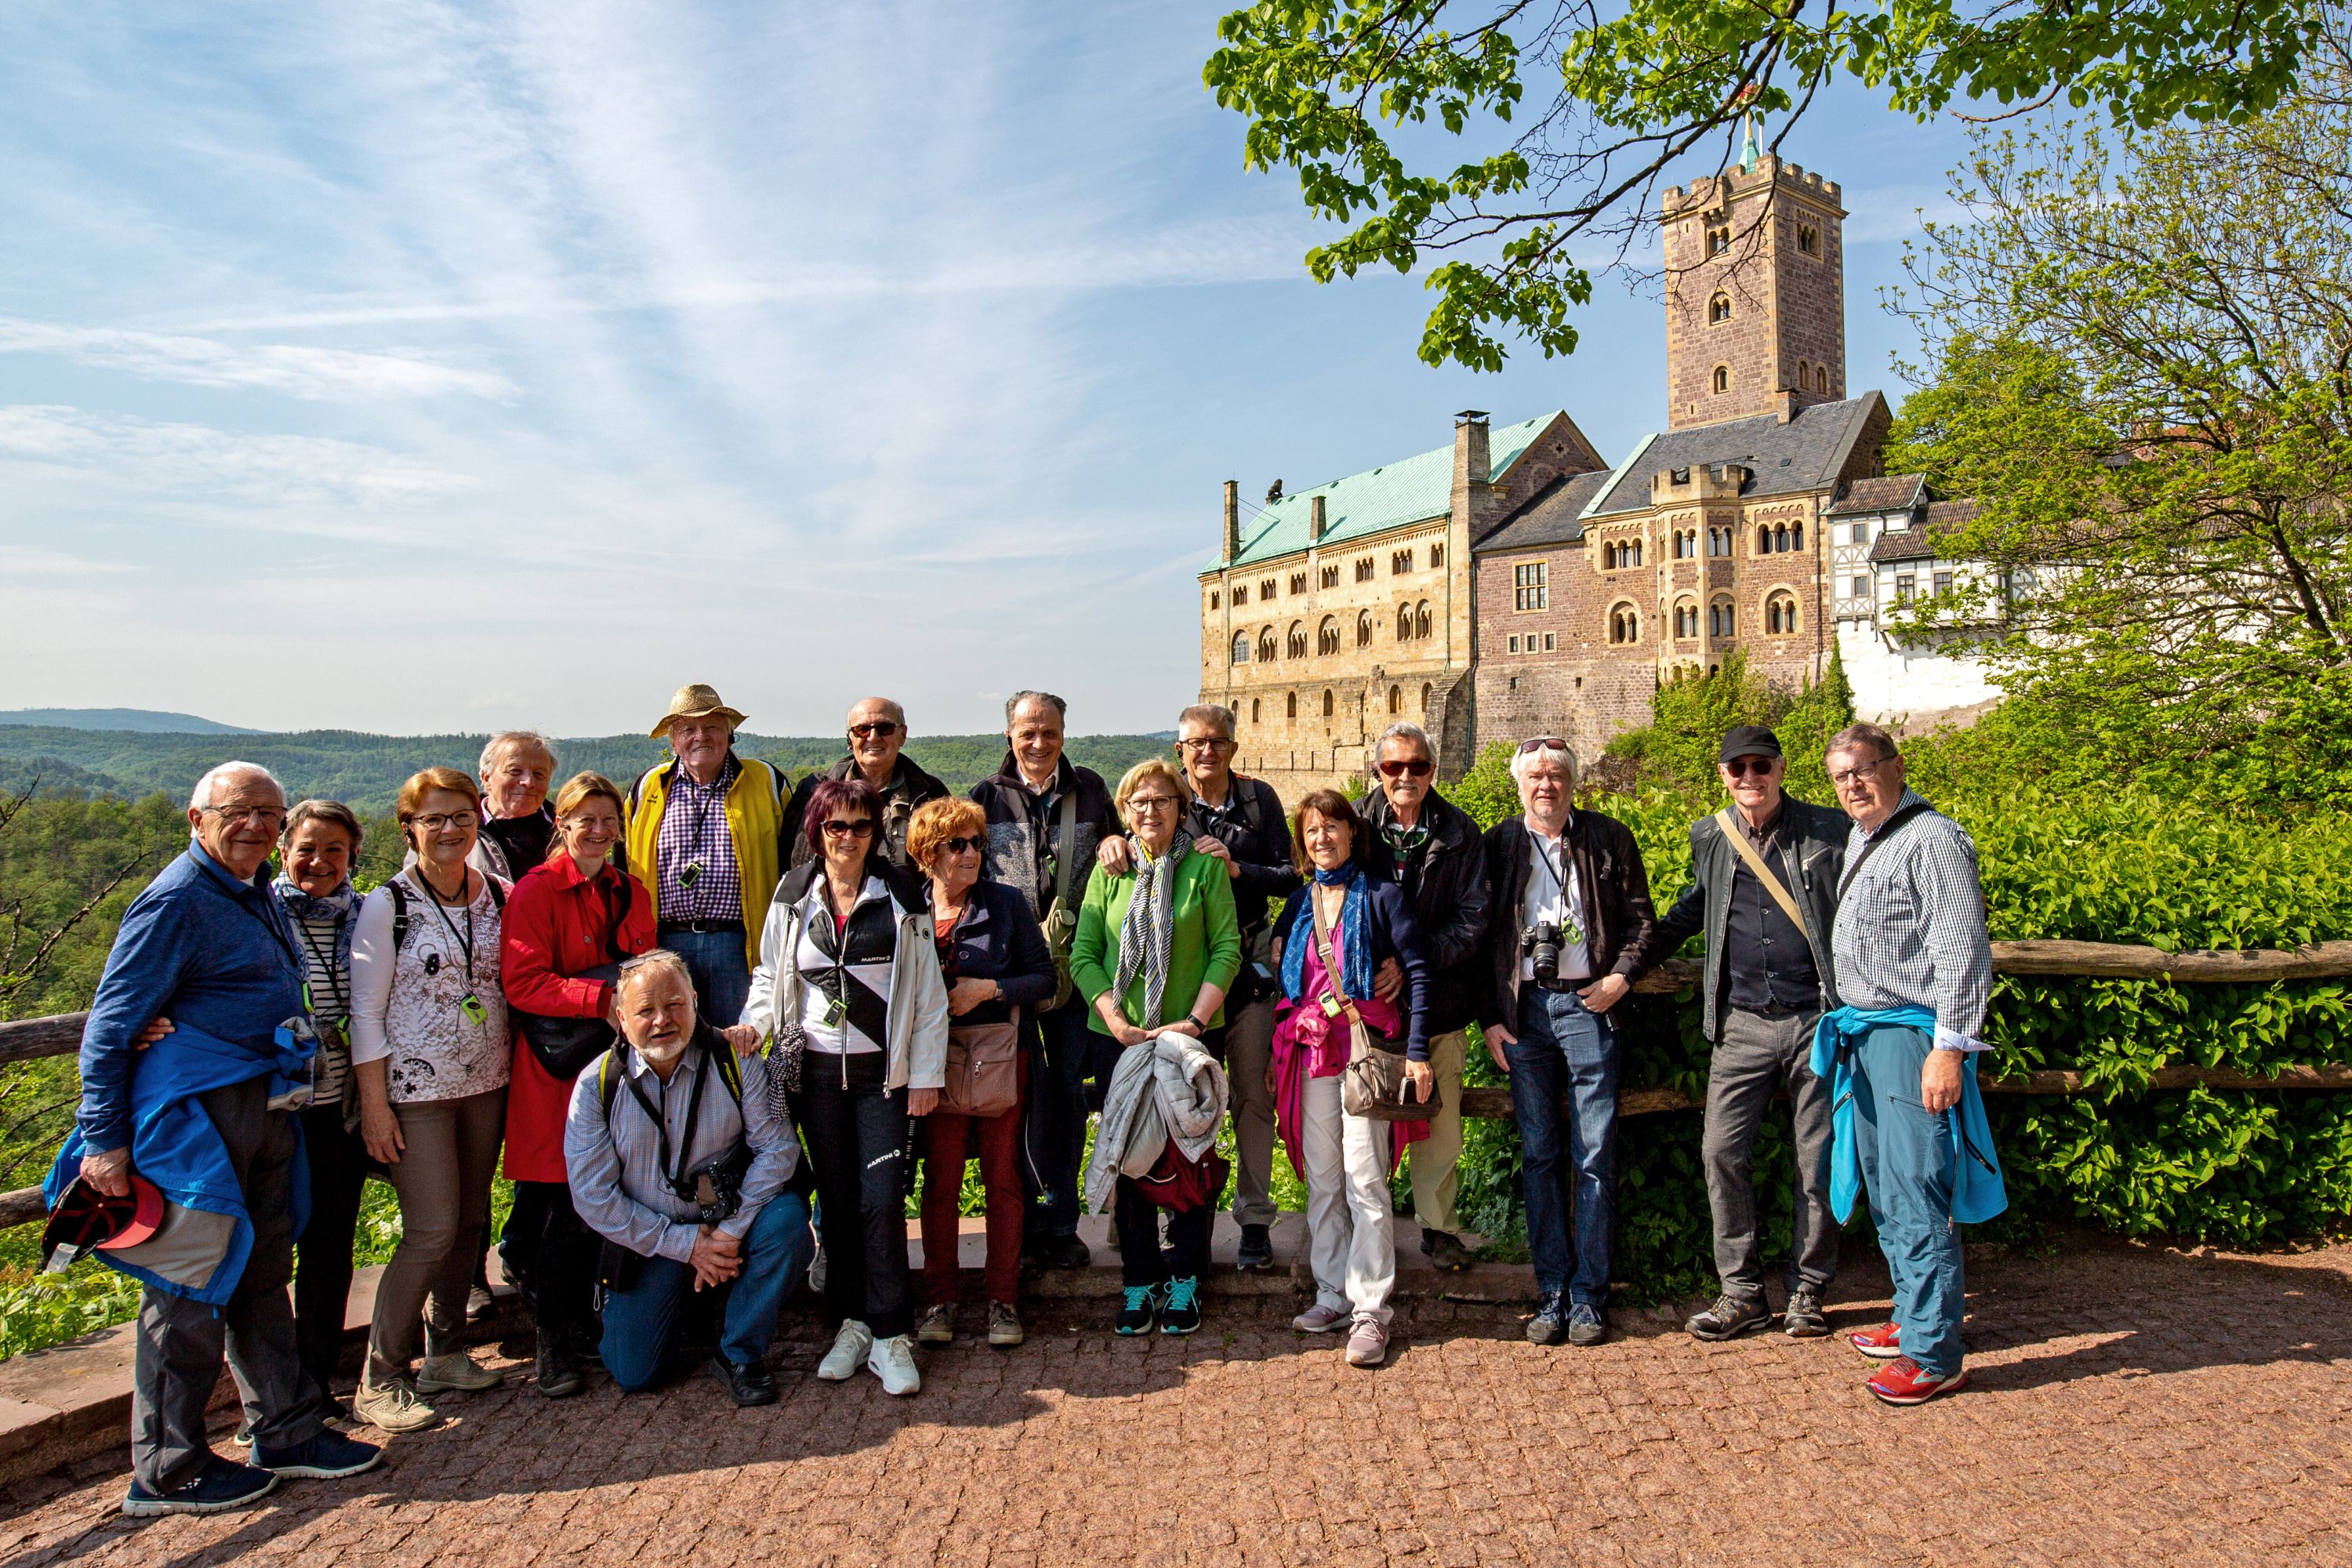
(365, 771)
(139, 721)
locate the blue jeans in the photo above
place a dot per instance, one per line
(722, 979)
(1906, 1155)
(1564, 1047)
(640, 1322)
(1054, 1133)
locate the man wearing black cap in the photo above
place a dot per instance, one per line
(1764, 879)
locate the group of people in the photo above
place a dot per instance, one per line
(695, 1011)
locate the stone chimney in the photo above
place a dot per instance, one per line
(1232, 521)
(1472, 466)
(1315, 520)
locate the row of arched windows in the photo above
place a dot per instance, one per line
(1779, 537)
(1413, 623)
(1396, 701)
(1722, 619)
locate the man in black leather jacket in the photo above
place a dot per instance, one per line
(1768, 978)
(1428, 846)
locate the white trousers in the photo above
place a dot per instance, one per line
(1351, 1243)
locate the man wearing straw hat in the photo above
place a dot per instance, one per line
(705, 836)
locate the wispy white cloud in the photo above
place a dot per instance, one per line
(322, 374)
(182, 459)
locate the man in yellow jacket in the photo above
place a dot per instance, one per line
(704, 831)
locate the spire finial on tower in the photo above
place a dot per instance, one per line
(1752, 150)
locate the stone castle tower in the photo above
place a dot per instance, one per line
(1755, 270)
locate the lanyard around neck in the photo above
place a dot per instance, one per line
(466, 942)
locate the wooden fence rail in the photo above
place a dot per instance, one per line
(61, 1035)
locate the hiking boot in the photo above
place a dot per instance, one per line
(1445, 1250)
(1319, 1319)
(1587, 1324)
(850, 1348)
(393, 1406)
(937, 1325)
(455, 1372)
(893, 1361)
(1730, 1317)
(1804, 1319)
(1138, 1310)
(1367, 1343)
(557, 1370)
(1550, 1325)
(1181, 1315)
(1004, 1325)
(746, 1383)
(220, 1485)
(1255, 1254)
(324, 1456)
(1900, 1382)
(1883, 1342)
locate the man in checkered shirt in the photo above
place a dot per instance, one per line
(1914, 973)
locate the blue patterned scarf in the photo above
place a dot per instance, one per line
(338, 906)
(1355, 937)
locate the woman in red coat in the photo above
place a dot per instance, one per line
(569, 923)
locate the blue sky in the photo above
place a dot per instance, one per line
(413, 367)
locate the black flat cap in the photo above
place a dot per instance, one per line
(1749, 741)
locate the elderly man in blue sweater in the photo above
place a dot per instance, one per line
(207, 1114)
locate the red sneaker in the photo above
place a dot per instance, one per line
(1883, 1342)
(1900, 1382)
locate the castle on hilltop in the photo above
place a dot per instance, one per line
(1520, 583)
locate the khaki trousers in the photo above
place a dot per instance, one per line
(1436, 1160)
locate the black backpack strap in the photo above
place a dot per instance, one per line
(399, 914)
(1853, 866)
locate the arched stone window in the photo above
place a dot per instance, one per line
(1396, 700)
(1363, 628)
(1327, 635)
(1291, 702)
(1254, 710)
(1265, 645)
(1781, 539)
(1624, 624)
(1718, 308)
(1686, 619)
(1420, 619)
(1797, 535)
(1763, 540)
(1404, 623)
(1425, 692)
(1212, 598)
(1721, 620)
(1241, 648)
(1722, 378)
(1781, 614)
(1327, 702)
(1297, 648)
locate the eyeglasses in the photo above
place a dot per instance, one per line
(861, 829)
(1205, 744)
(266, 816)
(1419, 767)
(960, 846)
(441, 821)
(881, 729)
(1150, 803)
(1740, 767)
(1542, 743)
(1861, 770)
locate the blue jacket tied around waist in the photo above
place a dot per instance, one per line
(174, 1144)
(1978, 1194)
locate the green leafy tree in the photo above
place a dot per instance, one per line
(2140, 352)
(1568, 114)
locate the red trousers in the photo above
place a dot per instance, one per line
(947, 1143)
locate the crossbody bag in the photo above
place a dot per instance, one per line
(1373, 1083)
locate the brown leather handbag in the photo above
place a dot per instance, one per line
(1372, 1085)
(984, 1070)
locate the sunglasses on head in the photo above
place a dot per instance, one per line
(1419, 767)
(1542, 743)
(860, 828)
(1740, 767)
(883, 728)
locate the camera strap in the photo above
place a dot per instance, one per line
(1572, 918)
(1331, 966)
(674, 1171)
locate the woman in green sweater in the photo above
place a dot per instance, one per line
(1156, 950)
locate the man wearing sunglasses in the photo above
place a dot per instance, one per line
(878, 737)
(1430, 848)
(1767, 974)
(1239, 820)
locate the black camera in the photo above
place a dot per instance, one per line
(715, 1187)
(1541, 942)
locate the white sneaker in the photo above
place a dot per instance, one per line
(893, 1361)
(849, 1347)
(393, 1406)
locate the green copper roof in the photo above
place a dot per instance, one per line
(1411, 489)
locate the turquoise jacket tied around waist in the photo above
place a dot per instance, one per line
(1978, 1194)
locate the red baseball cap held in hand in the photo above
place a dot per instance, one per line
(87, 1220)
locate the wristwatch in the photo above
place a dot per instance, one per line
(1198, 1027)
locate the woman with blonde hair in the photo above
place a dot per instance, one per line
(431, 1051)
(1157, 947)
(572, 921)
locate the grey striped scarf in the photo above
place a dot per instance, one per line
(1149, 932)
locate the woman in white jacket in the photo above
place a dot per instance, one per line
(849, 987)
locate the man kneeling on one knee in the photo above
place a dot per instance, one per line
(679, 1161)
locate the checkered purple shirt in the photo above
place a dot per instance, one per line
(694, 828)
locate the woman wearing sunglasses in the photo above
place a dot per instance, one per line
(997, 965)
(849, 986)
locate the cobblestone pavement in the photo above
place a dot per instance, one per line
(2128, 1406)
